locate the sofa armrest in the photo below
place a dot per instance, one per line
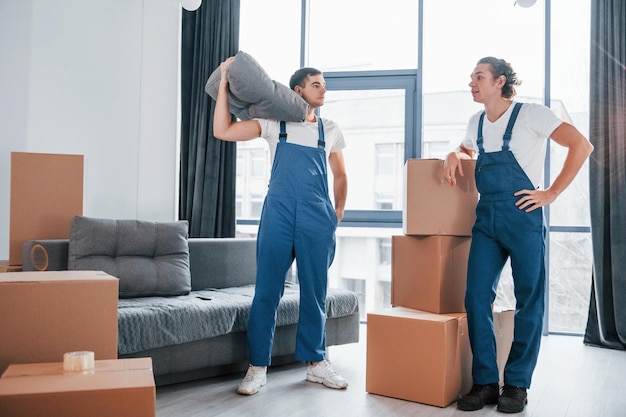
(222, 262)
(45, 255)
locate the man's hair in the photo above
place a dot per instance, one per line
(299, 76)
(501, 67)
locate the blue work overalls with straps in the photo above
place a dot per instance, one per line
(298, 221)
(501, 231)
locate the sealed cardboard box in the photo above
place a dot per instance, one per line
(123, 387)
(503, 321)
(434, 207)
(418, 356)
(46, 314)
(46, 193)
(5, 267)
(429, 272)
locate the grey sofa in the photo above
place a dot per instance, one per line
(193, 327)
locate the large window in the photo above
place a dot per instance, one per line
(570, 238)
(398, 88)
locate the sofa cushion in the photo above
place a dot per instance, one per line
(155, 322)
(252, 93)
(149, 258)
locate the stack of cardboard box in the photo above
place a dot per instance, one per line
(418, 350)
(44, 315)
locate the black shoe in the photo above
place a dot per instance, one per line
(512, 400)
(478, 396)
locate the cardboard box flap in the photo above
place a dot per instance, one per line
(418, 314)
(56, 368)
(39, 277)
(28, 379)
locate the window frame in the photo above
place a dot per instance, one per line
(406, 80)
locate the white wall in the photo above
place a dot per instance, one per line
(97, 78)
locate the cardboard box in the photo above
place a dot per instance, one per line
(46, 314)
(434, 207)
(46, 193)
(503, 324)
(5, 267)
(123, 387)
(429, 273)
(418, 356)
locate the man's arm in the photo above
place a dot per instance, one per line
(340, 182)
(578, 150)
(223, 125)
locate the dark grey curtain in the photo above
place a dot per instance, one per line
(207, 165)
(606, 325)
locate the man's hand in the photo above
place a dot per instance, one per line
(339, 214)
(533, 199)
(224, 127)
(451, 164)
(224, 67)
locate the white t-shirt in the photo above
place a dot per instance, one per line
(303, 133)
(533, 126)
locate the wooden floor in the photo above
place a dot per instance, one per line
(571, 380)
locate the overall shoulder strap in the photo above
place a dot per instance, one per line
(479, 136)
(321, 144)
(509, 127)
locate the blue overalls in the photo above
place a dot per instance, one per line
(502, 230)
(298, 220)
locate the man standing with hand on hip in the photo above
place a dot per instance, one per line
(510, 140)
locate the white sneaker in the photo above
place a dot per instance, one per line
(255, 378)
(323, 373)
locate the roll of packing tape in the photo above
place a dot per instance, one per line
(78, 361)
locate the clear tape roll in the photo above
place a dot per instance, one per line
(78, 361)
